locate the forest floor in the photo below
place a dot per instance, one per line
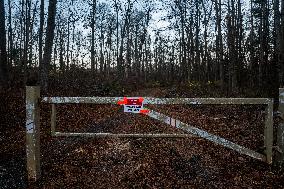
(136, 163)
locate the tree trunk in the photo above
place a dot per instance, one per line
(27, 38)
(117, 38)
(252, 51)
(205, 59)
(183, 53)
(219, 42)
(22, 36)
(143, 38)
(264, 34)
(93, 21)
(10, 36)
(48, 44)
(281, 56)
(61, 61)
(102, 51)
(3, 52)
(197, 45)
(231, 36)
(274, 75)
(31, 34)
(68, 44)
(136, 61)
(239, 47)
(120, 62)
(40, 44)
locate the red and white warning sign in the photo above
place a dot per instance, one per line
(133, 105)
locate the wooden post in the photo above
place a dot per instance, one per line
(53, 119)
(33, 132)
(280, 128)
(268, 131)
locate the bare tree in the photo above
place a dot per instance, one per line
(48, 44)
(40, 37)
(281, 55)
(3, 52)
(120, 64)
(10, 34)
(93, 24)
(219, 42)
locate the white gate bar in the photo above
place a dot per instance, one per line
(203, 134)
(122, 135)
(151, 100)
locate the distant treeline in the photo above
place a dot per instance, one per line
(233, 43)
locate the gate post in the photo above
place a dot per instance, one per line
(33, 132)
(280, 129)
(53, 119)
(268, 131)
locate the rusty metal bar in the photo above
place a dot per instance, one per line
(33, 132)
(122, 135)
(203, 134)
(150, 100)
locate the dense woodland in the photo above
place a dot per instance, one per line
(234, 44)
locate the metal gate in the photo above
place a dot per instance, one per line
(33, 134)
